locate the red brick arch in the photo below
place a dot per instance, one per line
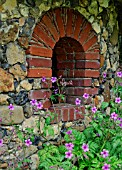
(67, 33)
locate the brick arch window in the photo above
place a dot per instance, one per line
(65, 34)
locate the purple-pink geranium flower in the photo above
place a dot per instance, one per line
(68, 154)
(33, 102)
(119, 74)
(106, 167)
(69, 132)
(28, 142)
(53, 79)
(114, 116)
(77, 101)
(86, 96)
(1, 142)
(69, 146)
(39, 105)
(117, 100)
(11, 107)
(43, 79)
(0, 119)
(85, 147)
(104, 75)
(120, 125)
(105, 153)
(94, 109)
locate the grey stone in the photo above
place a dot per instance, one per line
(35, 161)
(3, 149)
(14, 54)
(16, 117)
(26, 85)
(28, 110)
(6, 81)
(3, 99)
(31, 123)
(9, 33)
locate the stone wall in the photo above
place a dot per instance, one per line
(18, 22)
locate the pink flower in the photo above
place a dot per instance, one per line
(33, 102)
(69, 132)
(118, 100)
(28, 142)
(106, 167)
(39, 105)
(94, 109)
(114, 116)
(119, 74)
(0, 119)
(104, 75)
(11, 107)
(77, 101)
(105, 153)
(53, 79)
(85, 147)
(120, 125)
(86, 96)
(1, 142)
(43, 79)
(69, 146)
(68, 155)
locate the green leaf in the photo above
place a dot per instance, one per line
(104, 105)
(47, 121)
(20, 136)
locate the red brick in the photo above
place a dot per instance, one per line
(46, 104)
(46, 84)
(79, 116)
(87, 56)
(78, 23)
(82, 82)
(57, 114)
(86, 73)
(85, 33)
(39, 94)
(61, 57)
(60, 51)
(60, 22)
(39, 62)
(39, 40)
(39, 72)
(71, 114)
(51, 27)
(43, 35)
(65, 114)
(71, 99)
(69, 50)
(39, 51)
(92, 73)
(80, 91)
(87, 64)
(69, 23)
(70, 56)
(90, 43)
(65, 65)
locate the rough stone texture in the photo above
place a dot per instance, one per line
(14, 54)
(31, 123)
(17, 71)
(6, 81)
(9, 33)
(28, 110)
(10, 5)
(3, 99)
(16, 117)
(28, 151)
(26, 85)
(35, 162)
(3, 149)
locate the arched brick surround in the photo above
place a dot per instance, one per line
(70, 36)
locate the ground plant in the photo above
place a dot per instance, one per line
(98, 147)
